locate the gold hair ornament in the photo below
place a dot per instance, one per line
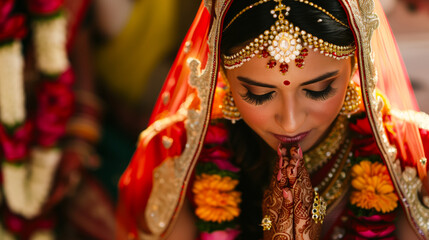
(284, 42)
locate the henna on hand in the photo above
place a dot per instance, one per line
(289, 198)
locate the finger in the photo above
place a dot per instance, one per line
(273, 197)
(271, 208)
(294, 165)
(293, 173)
(284, 225)
(304, 225)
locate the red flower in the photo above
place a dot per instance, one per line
(15, 147)
(44, 7)
(13, 28)
(67, 77)
(50, 128)
(216, 134)
(365, 144)
(23, 228)
(55, 107)
(219, 156)
(6, 7)
(56, 97)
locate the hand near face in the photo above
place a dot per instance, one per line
(289, 198)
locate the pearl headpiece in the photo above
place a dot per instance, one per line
(284, 42)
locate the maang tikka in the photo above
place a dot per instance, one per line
(284, 42)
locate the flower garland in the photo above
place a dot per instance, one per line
(215, 196)
(28, 170)
(373, 188)
(373, 199)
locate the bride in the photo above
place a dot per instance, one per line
(287, 119)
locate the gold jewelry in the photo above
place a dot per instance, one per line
(319, 208)
(336, 181)
(352, 100)
(318, 156)
(266, 223)
(285, 42)
(302, 1)
(229, 109)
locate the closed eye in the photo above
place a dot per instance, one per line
(257, 99)
(321, 95)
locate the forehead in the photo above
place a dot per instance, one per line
(315, 65)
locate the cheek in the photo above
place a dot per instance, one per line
(255, 116)
(251, 114)
(325, 112)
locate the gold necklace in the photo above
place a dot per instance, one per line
(318, 156)
(335, 182)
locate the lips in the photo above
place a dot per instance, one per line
(291, 139)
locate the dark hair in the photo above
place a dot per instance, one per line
(254, 157)
(256, 20)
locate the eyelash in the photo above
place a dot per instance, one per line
(257, 99)
(320, 95)
(315, 95)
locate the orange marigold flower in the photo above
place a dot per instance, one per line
(373, 187)
(215, 198)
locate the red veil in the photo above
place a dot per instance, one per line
(153, 186)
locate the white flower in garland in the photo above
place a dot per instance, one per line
(50, 41)
(27, 186)
(12, 99)
(5, 235)
(43, 235)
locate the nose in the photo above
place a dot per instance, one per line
(290, 116)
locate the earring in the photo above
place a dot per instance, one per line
(352, 100)
(229, 109)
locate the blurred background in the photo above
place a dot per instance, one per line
(120, 52)
(409, 20)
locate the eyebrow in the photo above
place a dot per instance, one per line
(320, 78)
(251, 82)
(314, 80)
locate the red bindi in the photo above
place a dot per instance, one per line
(286, 83)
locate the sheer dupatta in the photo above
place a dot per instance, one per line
(381, 68)
(153, 187)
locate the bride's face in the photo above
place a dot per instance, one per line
(299, 105)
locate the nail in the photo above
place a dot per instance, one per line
(285, 194)
(279, 175)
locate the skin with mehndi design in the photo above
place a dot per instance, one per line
(288, 200)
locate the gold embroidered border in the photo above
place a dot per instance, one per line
(364, 21)
(172, 176)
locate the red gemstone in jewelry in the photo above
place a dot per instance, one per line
(286, 83)
(304, 52)
(265, 53)
(299, 60)
(272, 63)
(284, 68)
(300, 65)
